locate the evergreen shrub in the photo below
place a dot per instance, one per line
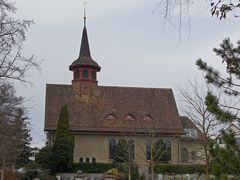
(179, 169)
(92, 167)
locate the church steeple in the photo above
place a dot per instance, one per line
(84, 58)
(85, 68)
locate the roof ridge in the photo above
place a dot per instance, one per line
(135, 87)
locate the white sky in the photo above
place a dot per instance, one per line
(127, 41)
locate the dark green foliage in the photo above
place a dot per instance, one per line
(123, 158)
(92, 168)
(230, 56)
(221, 8)
(212, 104)
(63, 147)
(178, 169)
(122, 152)
(32, 171)
(161, 152)
(23, 157)
(44, 157)
(226, 160)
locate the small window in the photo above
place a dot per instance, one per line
(238, 140)
(81, 160)
(148, 151)
(193, 155)
(131, 149)
(93, 74)
(111, 117)
(87, 160)
(94, 160)
(147, 118)
(191, 133)
(112, 148)
(184, 155)
(85, 73)
(76, 74)
(129, 117)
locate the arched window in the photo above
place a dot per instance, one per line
(94, 160)
(85, 73)
(193, 155)
(184, 155)
(87, 160)
(131, 149)
(81, 160)
(167, 151)
(148, 151)
(93, 74)
(112, 148)
(76, 74)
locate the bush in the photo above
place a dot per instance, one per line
(92, 167)
(122, 167)
(179, 169)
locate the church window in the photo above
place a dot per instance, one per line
(131, 149)
(81, 160)
(85, 73)
(148, 151)
(166, 156)
(184, 155)
(87, 160)
(112, 148)
(193, 155)
(93, 74)
(94, 160)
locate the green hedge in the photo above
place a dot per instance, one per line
(179, 169)
(92, 167)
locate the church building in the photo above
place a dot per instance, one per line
(100, 116)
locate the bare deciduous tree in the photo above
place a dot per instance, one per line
(152, 144)
(13, 124)
(14, 65)
(193, 99)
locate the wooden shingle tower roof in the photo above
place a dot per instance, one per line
(84, 59)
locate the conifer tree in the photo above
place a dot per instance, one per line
(229, 83)
(63, 146)
(226, 159)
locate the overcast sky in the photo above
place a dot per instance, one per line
(127, 41)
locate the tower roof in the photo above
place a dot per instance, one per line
(84, 58)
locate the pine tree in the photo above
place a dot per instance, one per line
(23, 157)
(226, 159)
(44, 157)
(228, 84)
(63, 147)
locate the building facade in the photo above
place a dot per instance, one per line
(101, 116)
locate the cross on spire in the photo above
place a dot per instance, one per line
(85, 17)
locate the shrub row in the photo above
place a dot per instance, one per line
(92, 167)
(179, 169)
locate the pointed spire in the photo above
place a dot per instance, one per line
(84, 50)
(85, 17)
(84, 58)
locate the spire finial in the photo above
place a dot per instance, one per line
(85, 3)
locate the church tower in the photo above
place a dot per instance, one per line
(85, 69)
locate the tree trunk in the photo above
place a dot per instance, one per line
(207, 165)
(152, 171)
(129, 172)
(2, 172)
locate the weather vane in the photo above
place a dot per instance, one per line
(84, 4)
